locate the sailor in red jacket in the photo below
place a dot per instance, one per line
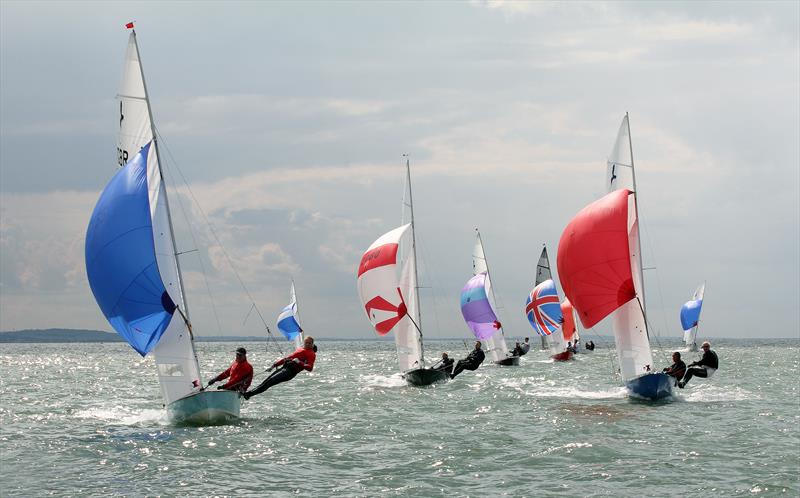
(302, 359)
(240, 373)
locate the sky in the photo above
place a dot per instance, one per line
(285, 124)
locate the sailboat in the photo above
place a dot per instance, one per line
(542, 274)
(478, 308)
(289, 321)
(132, 263)
(387, 287)
(543, 310)
(690, 318)
(600, 265)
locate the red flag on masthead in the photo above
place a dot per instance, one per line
(129, 25)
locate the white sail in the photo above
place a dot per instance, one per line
(619, 170)
(407, 336)
(496, 344)
(629, 324)
(176, 361)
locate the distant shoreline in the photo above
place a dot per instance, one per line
(65, 336)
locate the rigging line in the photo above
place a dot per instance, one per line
(191, 232)
(658, 276)
(216, 237)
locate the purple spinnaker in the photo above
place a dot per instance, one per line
(477, 311)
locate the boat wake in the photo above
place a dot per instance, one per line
(373, 381)
(573, 393)
(710, 393)
(118, 415)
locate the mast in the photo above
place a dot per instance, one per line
(185, 312)
(639, 237)
(414, 254)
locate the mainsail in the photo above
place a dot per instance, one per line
(542, 274)
(389, 296)
(494, 343)
(172, 347)
(690, 317)
(598, 260)
(289, 321)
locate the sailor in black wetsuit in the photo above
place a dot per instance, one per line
(471, 362)
(678, 367)
(445, 363)
(517, 351)
(706, 367)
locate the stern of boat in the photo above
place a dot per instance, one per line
(205, 408)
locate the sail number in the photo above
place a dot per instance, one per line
(122, 156)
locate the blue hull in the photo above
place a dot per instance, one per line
(205, 408)
(652, 386)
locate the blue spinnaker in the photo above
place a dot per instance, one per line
(121, 260)
(690, 313)
(287, 323)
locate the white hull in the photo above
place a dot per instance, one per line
(205, 408)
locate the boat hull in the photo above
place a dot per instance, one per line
(507, 362)
(652, 386)
(425, 376)
(205, 408)
(562, 356)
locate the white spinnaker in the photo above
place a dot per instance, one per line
(496, 344)
(690, 336)
(383, 281)
(630, 329)
(619, 167)
(175, 358)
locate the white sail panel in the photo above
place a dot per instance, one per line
(134, 115)
(407, 337)
(619, 170)
(630, 328)
(479, 258)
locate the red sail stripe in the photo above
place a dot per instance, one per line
(383, 255)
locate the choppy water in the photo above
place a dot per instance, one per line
(85, 419)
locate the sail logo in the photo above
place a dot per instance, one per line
(382, 255)
(383, 314)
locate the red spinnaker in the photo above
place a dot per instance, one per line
(594, 263)
(568, 327)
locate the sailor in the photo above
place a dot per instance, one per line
(517, 351)
(445, 364)
(589, 346)
(525, 346)
(678, 367)
(705, 368)
(471, 362)
(302, 359)
(240, 373)
(570, 348)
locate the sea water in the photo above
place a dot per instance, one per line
(87, 419)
